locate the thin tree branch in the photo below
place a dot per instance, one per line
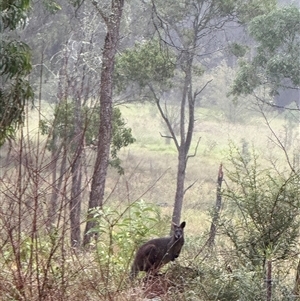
(165, 118)
(277, 139)
(165, 136)
(195, 152)
(276, 106)
(196, 93)
(190, 186)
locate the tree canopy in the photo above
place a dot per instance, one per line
(15, 66)
(276, 62)
(146, 64)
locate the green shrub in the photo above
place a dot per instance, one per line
(119, 232)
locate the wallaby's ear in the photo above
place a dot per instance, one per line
(182, 225)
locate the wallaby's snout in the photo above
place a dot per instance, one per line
(178, 234)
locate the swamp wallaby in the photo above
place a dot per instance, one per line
(155, 253)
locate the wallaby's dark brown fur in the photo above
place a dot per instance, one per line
(155, 253)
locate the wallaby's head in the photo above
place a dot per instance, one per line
(178, 230)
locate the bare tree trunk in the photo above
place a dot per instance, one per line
(205, 18)
(213, 227)
(54, 195)
(105, 128)
(58, 146)
(183, 143)
(269, 280)
(179, 188)
(185, 138)
(75, 201)
(56, 184)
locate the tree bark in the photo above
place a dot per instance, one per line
(56, 182)
(179, 188)
(54, 194)
(205, 19)
(269, 280)
(105, 128)
(185, 139)
(75, 201)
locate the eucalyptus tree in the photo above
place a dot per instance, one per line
(275, 69)
(111, 13)
(68, 75)
(77, 113)
(69, 135)
(78, 82)
(189, 33)
(190, 29)
(276, 62)
(15, 66)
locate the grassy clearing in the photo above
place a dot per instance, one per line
(151, 156)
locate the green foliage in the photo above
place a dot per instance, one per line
(277, 30)
(246, 79)
(15, 65)
(146, 63)
(247, 10)
(62, 127)
(278, 36)
(13, 13)
(51, 6)
(76, 3)
(264, 211)
(243, 10)
(121, 232)
(15, 59)
(27, 246)
(277, 61)
(237, 49)
(225, 281)
(221, 284)
(121, 137)
(12, 103)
